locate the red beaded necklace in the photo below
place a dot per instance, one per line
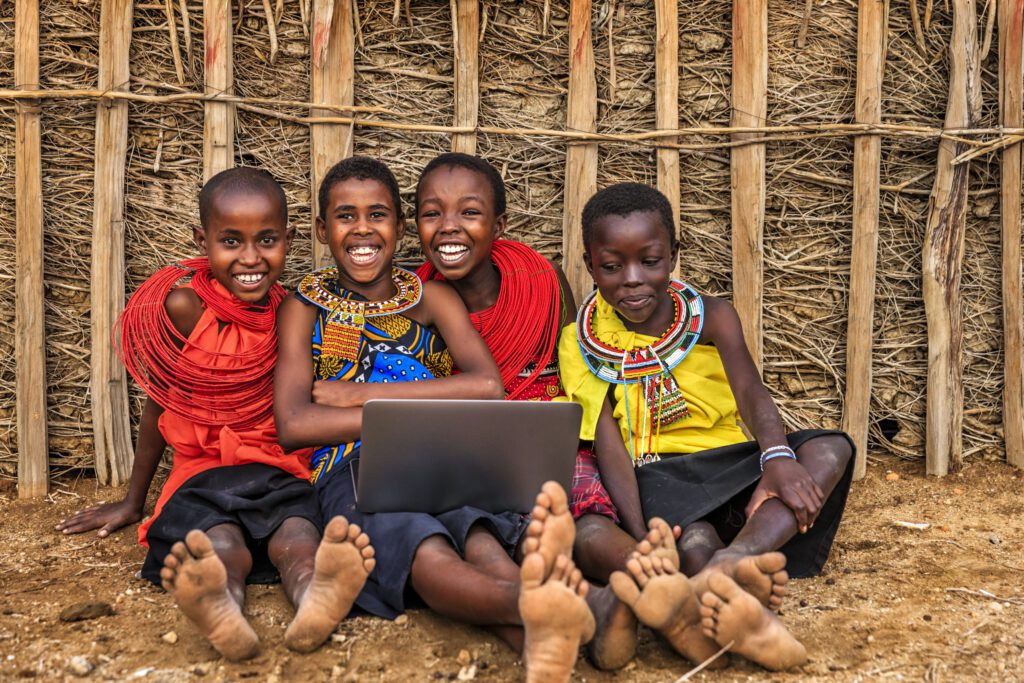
(209, 388)
(521, 328)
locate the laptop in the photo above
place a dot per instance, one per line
(438, 455)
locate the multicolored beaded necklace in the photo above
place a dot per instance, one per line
(343, 330)
(649, 367)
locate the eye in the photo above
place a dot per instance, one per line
(377, 215)
(652, 261)
(344, 216)
(268, 241)
(609, 267)
(230, 242)
(471, 212)
(429, 213)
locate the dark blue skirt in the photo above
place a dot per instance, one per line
(395, 536)
(716, 485)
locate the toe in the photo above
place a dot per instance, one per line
(178, 551)
(559, 502)
(337, 529)
(637, 570)
(362, 541)
(531, 573)
(769, 563)
(199, 544)
(562, 569)
(722, 586)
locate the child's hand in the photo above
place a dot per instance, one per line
(108, 517)
(338, 394)
(790, 482)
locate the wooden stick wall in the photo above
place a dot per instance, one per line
(332, 71)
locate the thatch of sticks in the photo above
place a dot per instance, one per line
(848, 173)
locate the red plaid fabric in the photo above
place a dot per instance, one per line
(589, 496)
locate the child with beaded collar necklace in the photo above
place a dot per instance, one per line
(200, 337)
(676, 365)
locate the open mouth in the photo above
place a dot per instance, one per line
(452, 253)
(249, 279)
(363, 254)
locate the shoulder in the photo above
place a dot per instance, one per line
(721, 321)
(435, 290)
(184, 308)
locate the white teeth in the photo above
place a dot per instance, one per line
(249, 278)
(363, 254)
(452, 252)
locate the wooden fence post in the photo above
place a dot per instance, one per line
(749, 109)
(29, 332)
(1011, 113)
(872, 27)
(942, 258)
(466, 31)
(219, 119)
(111, 428)
(666, 61)
(333, 82)
(580, 158)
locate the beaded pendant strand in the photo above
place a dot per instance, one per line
(650, 367)
(343, 331)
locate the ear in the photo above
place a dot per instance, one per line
(587, 262)
(500, 223)
(321, 230)
(289, 236)
(400, 229)
(199, 237)
(675, 254)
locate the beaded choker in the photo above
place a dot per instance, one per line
(343, 328)
(650, 367)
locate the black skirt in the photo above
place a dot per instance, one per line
(395, 536)
(716, 485)
(257, 498)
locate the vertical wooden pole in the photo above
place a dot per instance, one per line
(942, 259)
(29, 332)
(749, 109)
(333, 82)
(1011, 112)
(466, 31)
(580, 158)
(110, 425)
(871, 46)
(219, 120)
(666, 61)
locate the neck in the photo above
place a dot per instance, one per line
(383, 287)
(479, 290)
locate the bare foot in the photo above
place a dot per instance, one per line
(660, 542)
(343, 561)
(729, 614)
(196, 578)
(763, 576)
(663, 600)
(552, 530)
(614, 642)
(555, 617)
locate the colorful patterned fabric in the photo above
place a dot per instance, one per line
(393, 348)
(589, 496)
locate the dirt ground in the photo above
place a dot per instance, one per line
(942, 603)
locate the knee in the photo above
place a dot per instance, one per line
(296, 538)
(833, 450)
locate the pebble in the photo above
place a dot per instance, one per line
(401, 620)
(464, 657)
(927, 617)
(338, 637)
(202, 669)
(86, 610)
(170, 637)
(993, 539)
(892, 476)
(80, 666)
(467, 673)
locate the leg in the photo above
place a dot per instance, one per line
(773, 525)
(697, 546)
(555, 617)
(206, 576)
(661, 597)
(731, 615)
(320, 577)
(601, 547)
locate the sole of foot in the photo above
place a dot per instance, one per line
(660, 542)
(551, 531)
(197, 580)
(556, 618)
(343, 562)
(663, 599)
(729, 614)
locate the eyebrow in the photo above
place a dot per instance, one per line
(351, 207)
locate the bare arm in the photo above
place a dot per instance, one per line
(783, 478)
(301, 422)
(184, 310)
(617, 472)
(479, 376)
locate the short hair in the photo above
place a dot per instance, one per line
(623, 199)
(469, 162)
(359, 168)
(240, 180)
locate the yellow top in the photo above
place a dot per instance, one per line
(701, 379)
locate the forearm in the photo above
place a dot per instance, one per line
(761, 416)
(312, 425)
(617, 473)
(148, 451)
(342, 394)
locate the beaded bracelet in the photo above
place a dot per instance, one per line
(776, 452)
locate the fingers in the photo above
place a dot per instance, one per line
(756, 501)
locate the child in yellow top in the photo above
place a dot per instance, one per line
(678, 373)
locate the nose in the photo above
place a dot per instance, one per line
(449, 222)
(631, 275)
(249, 255)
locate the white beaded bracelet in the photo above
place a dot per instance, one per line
(776, 452)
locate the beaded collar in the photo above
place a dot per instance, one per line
(343, 324)
(627, 366)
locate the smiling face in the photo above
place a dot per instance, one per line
(246, 239)
(631, 260)
(361, 227)
(456, 221)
